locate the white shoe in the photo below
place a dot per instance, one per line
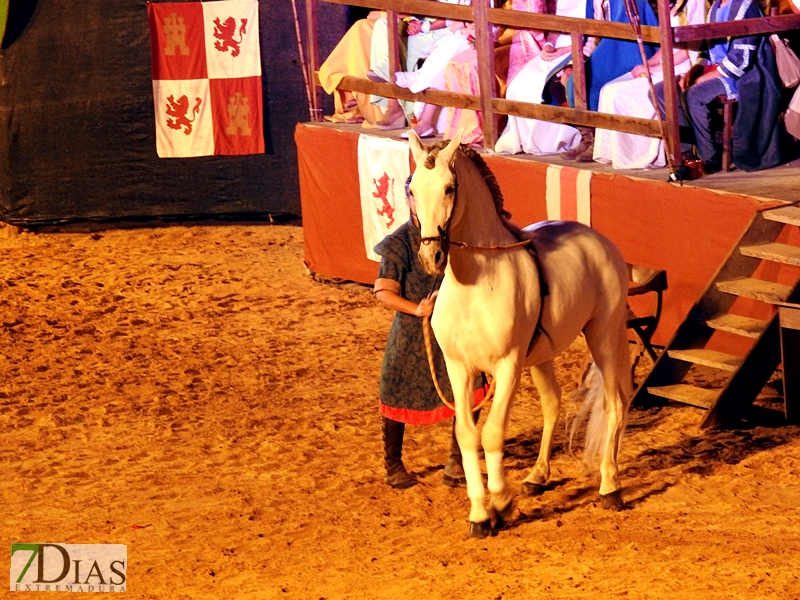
(401, 79)
(425, 134)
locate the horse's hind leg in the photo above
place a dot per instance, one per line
(608, 343)
(544, 378)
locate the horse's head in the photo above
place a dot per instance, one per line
(433, 188)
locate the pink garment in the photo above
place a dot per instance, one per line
(527, 44)
(461, 73)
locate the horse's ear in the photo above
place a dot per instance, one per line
(417, 149)
(447, 155)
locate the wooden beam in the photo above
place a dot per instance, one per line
(545, 112)
(394, 43)
(510, 18)
(671, 133)
(579, 72)
(708, 31)
(484, 46)
(572, 116)
(414, 7)
(593, 27)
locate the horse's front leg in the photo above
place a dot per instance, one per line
(467, 436)
(507, 376)
(544, 378)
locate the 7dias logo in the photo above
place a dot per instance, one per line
(68, 567)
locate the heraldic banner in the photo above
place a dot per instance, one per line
(206, 78)
(383, 167)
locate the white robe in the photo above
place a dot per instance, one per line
(531, 135)
(631, 97)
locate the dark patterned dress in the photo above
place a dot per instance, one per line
(407, 392)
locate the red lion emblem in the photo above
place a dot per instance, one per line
(178, 111)
(225, 32)
(387, 210)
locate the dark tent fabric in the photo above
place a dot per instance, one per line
(77, 137)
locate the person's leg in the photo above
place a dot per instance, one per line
(686, 133)
(396, 474)
(425, 126)
(698, 98)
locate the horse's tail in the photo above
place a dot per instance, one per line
(592, 408)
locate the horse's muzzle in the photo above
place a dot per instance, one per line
(433, 256)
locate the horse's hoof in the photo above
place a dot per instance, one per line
(612, 501)
(532, 489)
(481, 529)
(501, 516)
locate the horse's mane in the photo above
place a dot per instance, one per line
(488, 178)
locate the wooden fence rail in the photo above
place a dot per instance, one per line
(491, 106)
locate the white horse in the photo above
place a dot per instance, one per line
(503, 306)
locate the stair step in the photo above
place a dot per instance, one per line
(687, 394)
(758, 289)
(708, 358)
(744, 326)
(781, 253)
(786, 214)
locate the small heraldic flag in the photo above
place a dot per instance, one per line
(206, 78)
(383, 168)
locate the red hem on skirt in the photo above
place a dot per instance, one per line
(425, 417)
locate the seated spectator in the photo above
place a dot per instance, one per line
(529, 85)
(513, 51)
(422, 33)
(630, 95)
(740, 68)
(431, 73)
(608, 59)
(364, 50)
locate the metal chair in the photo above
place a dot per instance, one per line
(644, 280)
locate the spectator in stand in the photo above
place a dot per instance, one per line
(740, 68)
(629, 95)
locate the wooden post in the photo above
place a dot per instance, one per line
(579, 72)
(789, 318)
(313, 59)
(484, 46)
(671, 131)
(394, 44)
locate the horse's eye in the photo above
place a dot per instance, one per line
(449, 190)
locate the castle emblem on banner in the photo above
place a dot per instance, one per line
(175, 33)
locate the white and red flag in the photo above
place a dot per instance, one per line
(383, 167)
(568, 194)
(206, 78)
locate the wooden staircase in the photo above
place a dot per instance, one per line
(745, 375)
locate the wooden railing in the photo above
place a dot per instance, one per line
(491, 106)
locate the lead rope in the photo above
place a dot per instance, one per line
(426, 332)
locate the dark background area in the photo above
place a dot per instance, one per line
(77, 133)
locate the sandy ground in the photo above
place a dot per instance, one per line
(192, 392)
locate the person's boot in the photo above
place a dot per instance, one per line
(396, 474)
(453, 474)
(587, 155)
(586, 143)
